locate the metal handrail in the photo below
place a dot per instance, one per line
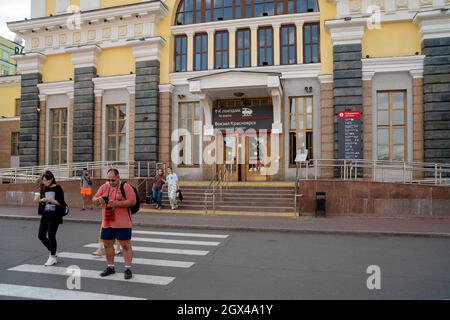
(69, 171)
(210, 191)
(378, 171)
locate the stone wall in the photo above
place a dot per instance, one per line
(84, 115)
(436, 80)
(29, 120)
(147, 111)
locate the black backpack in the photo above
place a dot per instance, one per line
(134, 209)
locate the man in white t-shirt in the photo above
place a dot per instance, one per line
(172, 187)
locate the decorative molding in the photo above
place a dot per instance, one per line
(56, 88)
(346, 31)
(325, 78)
(390, 10)
(166, 88)
(368, 75)
(146, 14)
(30, 63)
(248, 22)
(296, 71)
(411, 64)
(115, 82)
(434, 24)
(6, 119)
(9, 81)
(85, 56)
(147, 49)
(416, 74)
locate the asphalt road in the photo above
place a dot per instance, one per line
(243, 265)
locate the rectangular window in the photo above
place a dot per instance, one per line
(243, 48)
(116, 132)
(17, 108)
(14, 144)
(221, 50)
(311, 43)
(190, 118)
(288, 44)
(264, 8)
(180, 53)
(265, 46)
(391, 125)
(200, 52)
(300, 126)
(58, 136)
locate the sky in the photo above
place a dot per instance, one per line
(12, 10)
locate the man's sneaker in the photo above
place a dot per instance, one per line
(128, 274)
(108, 271)
(51, 261)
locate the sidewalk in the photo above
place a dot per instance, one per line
(356, 225)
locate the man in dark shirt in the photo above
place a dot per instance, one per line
(160, 180)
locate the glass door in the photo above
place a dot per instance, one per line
(230, 157)
(256, 157)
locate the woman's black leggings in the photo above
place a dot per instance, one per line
(50, 227)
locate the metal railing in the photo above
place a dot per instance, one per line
(71, 171)
(218, 182)
(421, 173)
(376, 171)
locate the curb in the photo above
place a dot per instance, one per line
(261, 229)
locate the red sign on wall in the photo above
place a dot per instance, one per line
(349, 114)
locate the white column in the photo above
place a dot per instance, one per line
(254, 45)
(190, 51)
(274, 87)
(206, 103)
(276, 44)
(299, 31)
(210, 49)
(232, 47)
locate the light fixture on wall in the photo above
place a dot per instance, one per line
(181, 96)
(238, 94)
(308, 89)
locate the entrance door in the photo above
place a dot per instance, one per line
(230, 157)
(257, 147)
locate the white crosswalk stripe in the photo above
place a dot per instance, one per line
(178, 234)
(145, 239)
(41, 293)
(148, 262)
(94, 274)
(160, 250)
(193, 243)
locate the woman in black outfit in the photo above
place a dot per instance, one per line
(51, 205)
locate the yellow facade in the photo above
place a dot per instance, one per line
(167, 51)
(116, 61)
(327, 12)
(58, 67)
(397, 39)
(8, 95)
(392, 39)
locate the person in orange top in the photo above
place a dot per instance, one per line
(86, 188)
(116, 220)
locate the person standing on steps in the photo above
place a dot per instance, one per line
(158, 183)
(172, 188)
(116, 220)
(51, 204)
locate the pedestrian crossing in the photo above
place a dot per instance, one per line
(157, 257)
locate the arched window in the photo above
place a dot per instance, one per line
(198, 11)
